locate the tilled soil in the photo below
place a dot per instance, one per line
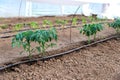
(98, 62)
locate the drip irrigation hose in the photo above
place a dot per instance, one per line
(2, 68)
(7, 36)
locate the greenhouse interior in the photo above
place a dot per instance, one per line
(60, 40)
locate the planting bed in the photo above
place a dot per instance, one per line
(87, 61)
(9, 54)
(8, 24)
(98, 62)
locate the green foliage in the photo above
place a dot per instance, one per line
(91, 18)
(91, 29)
(115, 25)
(74, 21)
(40, 37)
(61, 22)
(34, 24)
(47, 22)
(18, 26)
(4, 26)
(84, 20)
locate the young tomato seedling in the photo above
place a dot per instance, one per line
(47, 23)
(62, 23)
(4, 26)
(84, 21)
(91, 18)
(42, 38)
(115, 25)
(34, 25)
(74, 21)
(91, 29)
(18, 27)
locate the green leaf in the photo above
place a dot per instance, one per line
(38, 49)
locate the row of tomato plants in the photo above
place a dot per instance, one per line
(45, 23)
(43, 38)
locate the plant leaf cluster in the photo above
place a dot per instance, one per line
(61, 22)
(18, 26)
(47, 22)
(91, 29)
(41, 37)
(84, 21)
(91, 18)
(115, 25)
(74, 21)
(4, 26)
(34, 24)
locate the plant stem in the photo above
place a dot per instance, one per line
(30, 55)
(88, 39)
(94, 36)
(117, 30)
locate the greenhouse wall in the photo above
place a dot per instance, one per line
(50, 9)
(11, 8)
(26, 8)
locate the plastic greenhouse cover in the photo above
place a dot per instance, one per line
(75, 2)
(60, 2)
(14, 8)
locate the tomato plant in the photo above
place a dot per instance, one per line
(47, 22)
(91, 18)
(115, 25)
(4, 26)
(18, 26)
(61, 22)
(74, 21)
(42, 38)
(34, 24)
(84, 20)
(91, 29)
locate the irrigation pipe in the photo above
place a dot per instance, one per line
(57, 55)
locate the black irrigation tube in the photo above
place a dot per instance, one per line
(7, 36)
(57, 55)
